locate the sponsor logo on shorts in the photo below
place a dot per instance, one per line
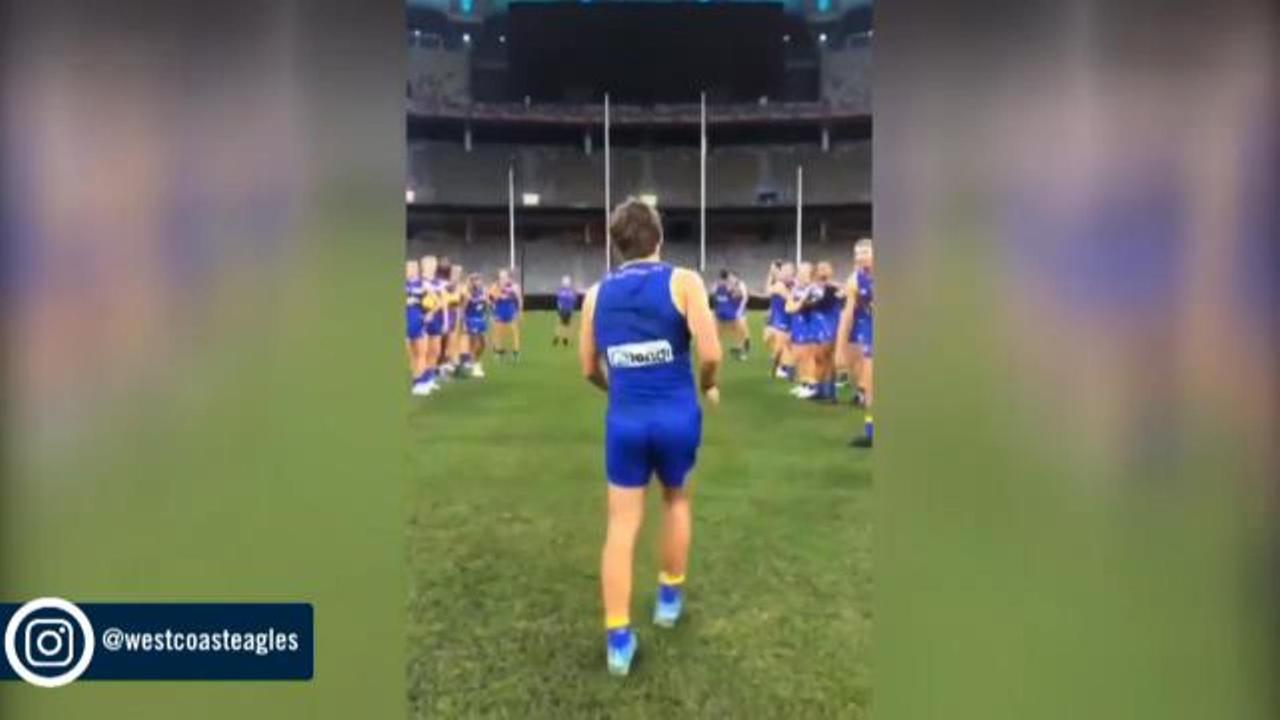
(641, 354)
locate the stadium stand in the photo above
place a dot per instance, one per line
(439, 76)
(846, 74)
(445, 173)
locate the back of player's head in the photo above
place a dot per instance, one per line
(455, 273)
(724, 274)
(823, 271)
(804, 271)
(412, 270)
(428, 264)
(786, 270)
(566, 281)
(444, 269)
(636, 229)
(504, 275)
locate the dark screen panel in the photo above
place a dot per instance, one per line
(645, 52)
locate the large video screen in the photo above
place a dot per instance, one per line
(579, 51)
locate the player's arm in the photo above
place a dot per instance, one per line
(588, 357)
(691, 298)
(745, 296)
(519, 292)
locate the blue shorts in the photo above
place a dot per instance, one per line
(822, 332)
(435, 326)
(782, 323)
(477, 326)
(663, 442)
(414, 327)
(864, 335)
(801, 332)
(503, 313)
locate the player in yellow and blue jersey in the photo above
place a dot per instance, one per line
(415, 326)
(566, 303)
(779, 321)
(856, 333)
(433, 326)
(508, 303)
(729, 299)
(475, 317)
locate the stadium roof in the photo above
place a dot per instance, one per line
(479, 9)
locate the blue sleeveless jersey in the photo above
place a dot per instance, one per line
(504, 309)
(725, 304)
(653, 425)
(475, 312)
(413, 314)
(831, 305)
(779, 319)
(644, 339)
(566, 300)
(863, 330)
(862, 311)
(477, 304)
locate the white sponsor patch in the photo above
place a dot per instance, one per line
(641, 354)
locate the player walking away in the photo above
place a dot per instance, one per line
(857, 328)
(433, 326)
(507, 305)
(729, 300)
(476, 319)
(415, 339)
(566, 301)
(639, 321)
(780, 321)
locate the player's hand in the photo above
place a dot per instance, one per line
(713, 395)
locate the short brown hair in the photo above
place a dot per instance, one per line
(635, 228)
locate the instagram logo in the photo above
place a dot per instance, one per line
(49, 642)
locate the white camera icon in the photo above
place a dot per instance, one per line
(50, 643)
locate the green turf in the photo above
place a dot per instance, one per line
(506, 518)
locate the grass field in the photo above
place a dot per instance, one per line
(505, 524)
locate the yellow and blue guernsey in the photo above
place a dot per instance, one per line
(779, 319)
(506, 304)
(566, 301)
(830, 306)
(433, 307)
(654, 423)
(476, 313)
(724, 302)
